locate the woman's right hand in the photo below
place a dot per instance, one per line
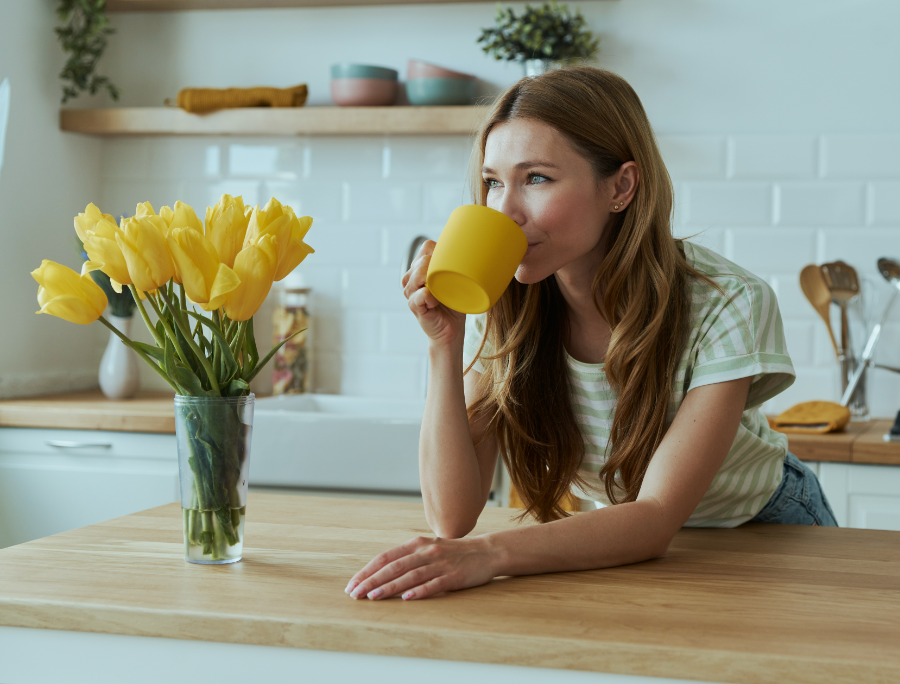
(442, 325)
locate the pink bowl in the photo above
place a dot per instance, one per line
(363, 92)
(418, 69)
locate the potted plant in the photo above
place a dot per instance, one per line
(540, 37)
(202, 281)
(83, 35)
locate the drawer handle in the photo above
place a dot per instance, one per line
(63, 444)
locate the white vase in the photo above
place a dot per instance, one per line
(119, 374)
(536, 67)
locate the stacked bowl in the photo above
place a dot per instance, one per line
(363, 85)
(430, 85)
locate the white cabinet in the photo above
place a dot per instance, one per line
(57, 480)
(862, 496)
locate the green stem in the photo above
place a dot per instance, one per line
(152, 328)
(169, 331)
(186, 331)
(140, 353)
(182, 297)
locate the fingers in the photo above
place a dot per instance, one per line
(383, 559)
(422, 301)
(418, 267)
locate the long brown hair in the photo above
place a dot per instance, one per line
(641, 289)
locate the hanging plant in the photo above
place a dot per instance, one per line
(548, 32)
(83, 36)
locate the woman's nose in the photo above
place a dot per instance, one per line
(509, 202)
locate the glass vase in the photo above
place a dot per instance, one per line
(213, 436)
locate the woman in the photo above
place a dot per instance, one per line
(621, 364)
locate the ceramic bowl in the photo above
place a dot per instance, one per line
(363, 92)
(417, 69)
(348, 70)
(440, 91)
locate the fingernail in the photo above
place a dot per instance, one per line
(375, 593)
(350, 585)
(409, 594)
(355, 593)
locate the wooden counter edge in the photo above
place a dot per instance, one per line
(652, 660)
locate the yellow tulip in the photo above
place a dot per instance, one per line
(226, 227)
(255, 267)
(184, 217)
(88, 220)
(206, 280)
(102, 247)
(144, 248)
(144, 209)
(280, 221)
(65, 294)
(297, 250)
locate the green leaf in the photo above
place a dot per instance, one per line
(237, 387)
(152, 351)
(250, 350)
(270, 355)
(190, 382)
(228, 367)
(169, 358)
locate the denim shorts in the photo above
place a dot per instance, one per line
(799, 499)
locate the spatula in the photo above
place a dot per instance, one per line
(813, 284)
(843, 283)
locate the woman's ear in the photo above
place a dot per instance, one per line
(624, 184)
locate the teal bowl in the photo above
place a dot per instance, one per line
(347, 70)
(440, 91)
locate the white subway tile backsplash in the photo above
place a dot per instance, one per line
(442, 198)
(822, 204)
(384, 202)
(401, 333)
(861, 248)
(442, 158)
(862, 156)
(773, 249)
(729, 204)
(184, 159)
(773, 156)
(885, 203)
(345, 245)
(373, 288)
(275, 158)
(693, 156)
(322, 201)
(770, 203)
(345, 158)
(120, 198)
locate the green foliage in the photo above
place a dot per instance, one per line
(548, 31)
(83, 36)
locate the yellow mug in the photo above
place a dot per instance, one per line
(475, 259)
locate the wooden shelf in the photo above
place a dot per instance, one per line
(264, 121)
(169, 5)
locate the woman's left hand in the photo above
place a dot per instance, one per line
(425, 566)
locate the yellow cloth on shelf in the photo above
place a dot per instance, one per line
(203, 100)
(812, 417)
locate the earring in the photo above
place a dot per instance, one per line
(616, 207)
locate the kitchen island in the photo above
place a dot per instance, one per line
(755, 604)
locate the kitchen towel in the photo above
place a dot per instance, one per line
(812, 417)
(203, 100)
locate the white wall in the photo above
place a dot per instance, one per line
(47, 179)
(778, 120)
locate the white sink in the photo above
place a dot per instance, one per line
(336, 442)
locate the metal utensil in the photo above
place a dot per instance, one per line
(843, 282)
(813, 284)
(890, 270)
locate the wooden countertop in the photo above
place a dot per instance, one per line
(760, 603)
(91, 410)
(153, 412)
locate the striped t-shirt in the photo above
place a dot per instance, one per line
(735, 335)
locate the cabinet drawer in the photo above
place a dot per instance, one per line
(78, 443)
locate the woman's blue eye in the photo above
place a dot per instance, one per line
(491, 182)
(533, 177)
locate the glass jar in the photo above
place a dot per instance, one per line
(213, 437)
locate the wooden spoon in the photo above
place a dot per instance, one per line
(813, 284)
(843, 282)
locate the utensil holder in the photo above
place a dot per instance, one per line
(859, 400)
